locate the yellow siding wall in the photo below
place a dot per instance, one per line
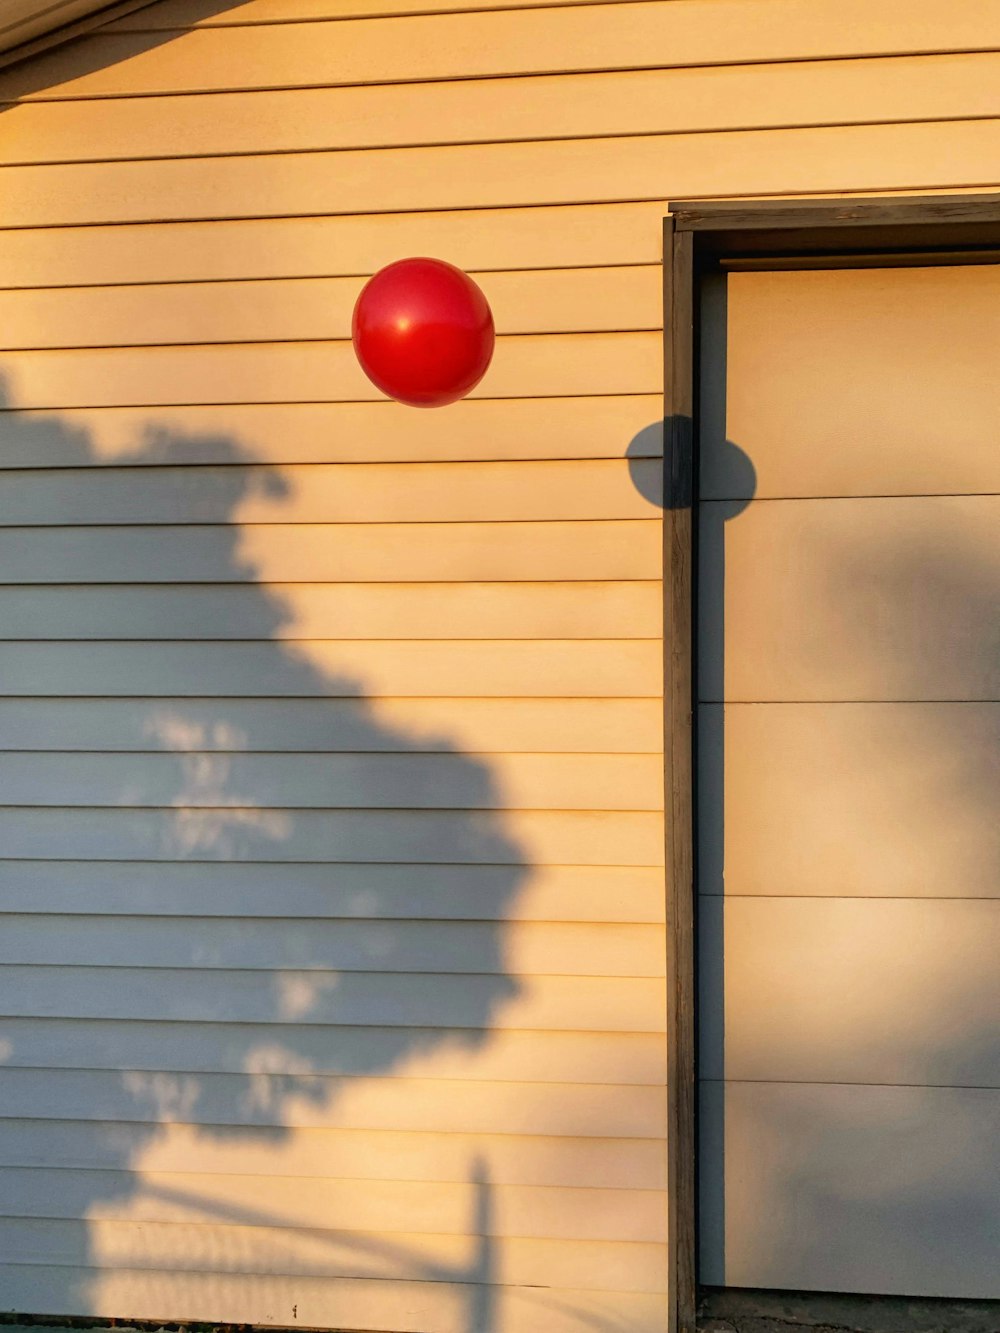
(330, 729)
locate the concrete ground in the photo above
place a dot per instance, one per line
(754, 1325)
(809, 1312)
(722, 1312)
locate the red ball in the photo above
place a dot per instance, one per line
(423, 332)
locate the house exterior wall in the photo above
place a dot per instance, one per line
(335, 948)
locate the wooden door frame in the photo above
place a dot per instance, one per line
(697, 238)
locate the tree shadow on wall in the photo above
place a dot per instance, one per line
(227, 873)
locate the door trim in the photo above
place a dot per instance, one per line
(697, 238)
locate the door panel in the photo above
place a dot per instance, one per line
(849, 781)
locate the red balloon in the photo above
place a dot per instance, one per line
(423, 332)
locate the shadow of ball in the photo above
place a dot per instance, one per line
(730, 476)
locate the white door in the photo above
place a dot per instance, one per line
(849, 792)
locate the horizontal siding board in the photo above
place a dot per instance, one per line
(327, 553)
(411, 1306)
(506, 238)
(269, 433)
(392, 892)
(537, 491)
(226, 1048)
(907, 586)
(490, 111)
(515, 1159)
(888, 15)
(523, 367)
(311, 1252)
(948, 154)
(595, 37)
(930, 337)
(547, 949)
(421, 836)
(594, 1004)
(476, 429)
(385, 1207)
(332, 611)
(282, 433)
(882, 800)
(332, 669)
(303, 726)
(172, 14)
(284, 1102)
(206, 13)
(910, 1155)
(881, 990)
(563, 300)
(196, 780)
